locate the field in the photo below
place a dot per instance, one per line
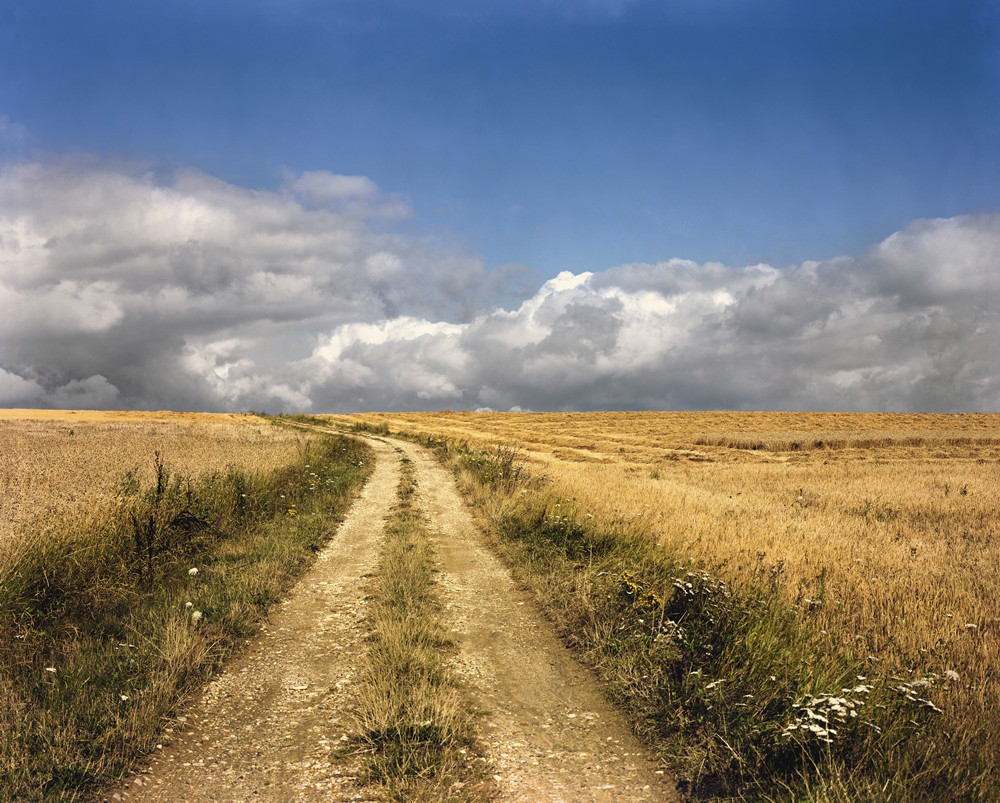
(893, 517)
(738, 580)
(55, 461)
(139, 551)
(881, 528)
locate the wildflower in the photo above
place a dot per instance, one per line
(815, 713)
(951, 674)
(188, 604)
(124, 697)
(196, 616)
(50, 669)
(192, 572)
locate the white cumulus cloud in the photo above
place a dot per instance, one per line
(120, 288)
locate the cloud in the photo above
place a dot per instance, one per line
(121, 289)
(94, 392)
(322, 189)
(358, 195)
(16, 391)
(108, 271)
(911, 325)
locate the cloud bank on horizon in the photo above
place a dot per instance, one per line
(119, 289)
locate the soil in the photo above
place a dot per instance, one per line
(275, 725)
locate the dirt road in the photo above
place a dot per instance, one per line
(273, 725)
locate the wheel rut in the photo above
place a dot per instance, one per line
(548, 731)
(273, 726)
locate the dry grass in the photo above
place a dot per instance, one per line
(56, 460)
(111, 613)
(899, 519)
(883, 527)
(417, 729)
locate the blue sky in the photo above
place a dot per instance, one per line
(556, 204)
(561, 135)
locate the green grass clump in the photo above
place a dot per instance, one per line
(417, 731)
(733, 686)
(108, 618)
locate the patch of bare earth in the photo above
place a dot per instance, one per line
(272, 726)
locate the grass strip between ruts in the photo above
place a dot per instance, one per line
(415, 726)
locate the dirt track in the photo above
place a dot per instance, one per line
(272, 726)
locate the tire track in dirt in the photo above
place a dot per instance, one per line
(548, 732)
(272, 725)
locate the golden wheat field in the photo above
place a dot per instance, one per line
(887, 525)
(55, 460)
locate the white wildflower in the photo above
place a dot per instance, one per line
(192, 572)
(196, 616)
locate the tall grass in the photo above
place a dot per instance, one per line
(110, 616)
(416, 728)
(57, 462)
(734, 681)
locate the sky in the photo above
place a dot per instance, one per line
(297, 205)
